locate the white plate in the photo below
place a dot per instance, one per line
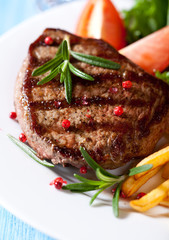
(24, 184)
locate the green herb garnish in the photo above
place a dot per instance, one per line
(93, 164)
(136, 170)
(115, 201)
(105, 180)
(163, 76)
(60, 64)
(96, 61)
(145, 17)
(29, 151)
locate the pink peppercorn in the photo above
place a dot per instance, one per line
(118, 111)
(83, 170)
(66, 123)
(127, 84)
(48, 40)
(22, 137)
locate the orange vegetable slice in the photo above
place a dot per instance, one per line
(152, 52)
(100, 19)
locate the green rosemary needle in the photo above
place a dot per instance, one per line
(60, 64)
(105, 180)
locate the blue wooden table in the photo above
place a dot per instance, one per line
(12, 12)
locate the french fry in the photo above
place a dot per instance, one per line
(131, 185)
(165, 173)
(151, 199)
(165, 202)
(157, 159)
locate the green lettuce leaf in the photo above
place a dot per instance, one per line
(145, 17)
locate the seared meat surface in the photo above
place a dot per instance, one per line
(111, 140)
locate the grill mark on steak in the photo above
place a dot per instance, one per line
(129, 133)
(92, 126)
(99, 79)
(52, 104)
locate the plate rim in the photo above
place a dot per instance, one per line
(4, 204)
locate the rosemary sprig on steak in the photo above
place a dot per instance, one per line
(61, 64)
(105, 178)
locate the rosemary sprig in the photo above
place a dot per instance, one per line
(136, 170)
(79, 73)
(93, 164)
(68, 84)
(29, 151)
(105, 180)
(115, 200)
(163, 76)
(96, 61)
(48, 78)
(60, 64)
(48, 66)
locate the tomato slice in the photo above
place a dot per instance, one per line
(151, 52)
(100, 19)
(82, 26)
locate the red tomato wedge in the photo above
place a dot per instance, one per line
(152, 52)
(100, 19)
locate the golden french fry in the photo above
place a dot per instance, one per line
(151, 199)
(165, 173)
(131, 185)
(165, 202)
(157, 159)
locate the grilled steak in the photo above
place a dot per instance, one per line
(110, 139)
